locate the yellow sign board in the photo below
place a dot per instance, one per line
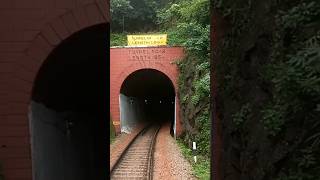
(147, 40)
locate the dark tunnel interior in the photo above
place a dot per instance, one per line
(68, 109)
(156, 93)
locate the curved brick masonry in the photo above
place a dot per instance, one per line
(127, 60)
(30, 30)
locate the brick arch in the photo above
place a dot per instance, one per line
(138, 66)
(25, 71)
(51, 35)
(122, 64)
(54, 32)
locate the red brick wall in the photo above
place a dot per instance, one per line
(29, 31)
(124, 61)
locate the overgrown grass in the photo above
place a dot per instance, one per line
(201, 169)
(112, 132)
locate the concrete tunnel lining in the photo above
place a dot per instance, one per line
(68, 119)
(146, 96)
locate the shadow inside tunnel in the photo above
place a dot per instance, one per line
(147, 96)
(68, 118)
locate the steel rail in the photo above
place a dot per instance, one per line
(148, 155)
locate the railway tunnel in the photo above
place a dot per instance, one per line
(143, 85)
(68, 117)
(147, 96)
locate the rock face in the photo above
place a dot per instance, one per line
(260, 121)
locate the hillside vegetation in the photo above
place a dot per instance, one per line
(187, 24)
(268, 78)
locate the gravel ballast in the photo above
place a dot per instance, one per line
(169, 162)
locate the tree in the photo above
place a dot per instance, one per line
(140, 15)
(120, 9)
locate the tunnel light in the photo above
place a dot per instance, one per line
(69, 126)
(160, 101)
(146, 101)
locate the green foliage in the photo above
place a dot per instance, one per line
(240, 117)
(203, 136)
(305, 12)
(295, 72)
(194, 11)
(192, 36)
(118, 39)
(273, 119)
(187, 152)
(306, 166)
(296, 79)
(297, 87)
(299, 74)
(145, 10)
(120, 9)
(201, 169)
(112, 131)
(202, 88)
(133, 15)
(270, 59)
(167, 17)
(307, 159)
(187, 24)
(194, 91)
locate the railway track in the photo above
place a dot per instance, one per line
(136, 162)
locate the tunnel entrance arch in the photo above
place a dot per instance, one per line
(126, 60)
(68, 123)
(43, 28)
(147, 96)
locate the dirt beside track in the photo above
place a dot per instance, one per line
(169, 163)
